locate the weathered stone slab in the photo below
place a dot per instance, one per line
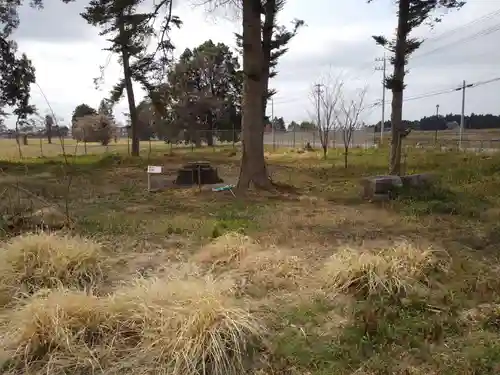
(384, 185)
(417, 180)
(380, 198)
(379, 188)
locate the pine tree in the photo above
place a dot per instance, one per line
(411, 15)
(129, 31)
(275, 40)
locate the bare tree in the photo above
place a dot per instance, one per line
(349, 118)
(326, 100)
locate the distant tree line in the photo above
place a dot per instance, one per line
(443, 122)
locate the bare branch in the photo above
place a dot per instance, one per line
(349, 118)
(326, 97)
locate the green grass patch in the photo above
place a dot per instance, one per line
(440, 200)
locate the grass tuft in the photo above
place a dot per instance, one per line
(188, 327)
(32, 262)
(227, 249)
(485, 316)
(273, 269)
(393, 272)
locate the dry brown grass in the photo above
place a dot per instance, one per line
(272, 270)
(225, 250)
(394, 271)
(191, 326)
(486, 314)
(256, 268)
(36, 261)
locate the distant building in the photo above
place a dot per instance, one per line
(452, 125)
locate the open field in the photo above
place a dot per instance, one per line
(40, 148)
(472, 139)
(311, 280)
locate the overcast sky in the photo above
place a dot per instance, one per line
(337, 40)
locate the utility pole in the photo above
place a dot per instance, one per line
(462, 116)
(273, 124)
(437, 122)
(383, 68)
(318, 105)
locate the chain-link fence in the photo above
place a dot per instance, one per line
(475, 140)
(471, 140)
(299, 139)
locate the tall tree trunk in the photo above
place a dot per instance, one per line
(210, 138)
(49, 134)
(134, 120)
(211, 129)
(267, 36)
(253, 165)
(398, 87)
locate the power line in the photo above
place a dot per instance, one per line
(467, 25)
(441, 92)
(481, 33)
(486, 82)
(484, 32)
(368, 64)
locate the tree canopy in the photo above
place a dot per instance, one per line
(129, 27)
(201, 98)
(411, 14)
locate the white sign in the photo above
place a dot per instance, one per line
(153, 169)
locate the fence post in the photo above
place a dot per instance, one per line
(212, 131)
(84, 141)
(128, 143)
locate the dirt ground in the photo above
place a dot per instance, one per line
(311, 279)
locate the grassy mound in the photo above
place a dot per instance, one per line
(484, 316)
(37, 261)
(190, 326)
(273, 269)
(256, 269)
(395, 271)
(230, 248)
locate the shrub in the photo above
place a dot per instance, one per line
(94, 128)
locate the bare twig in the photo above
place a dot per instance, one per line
(18, 187)
(326, 103)
(67, 166)
(348, 118)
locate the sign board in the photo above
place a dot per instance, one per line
(153, 169)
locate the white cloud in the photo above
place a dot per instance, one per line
(337, 38)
